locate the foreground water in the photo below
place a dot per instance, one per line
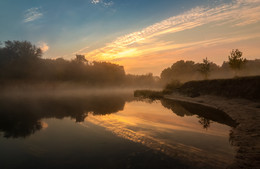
(111, 131)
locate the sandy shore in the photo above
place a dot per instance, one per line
(246, 136)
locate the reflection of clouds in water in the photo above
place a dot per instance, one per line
(163, 120)
(146, 135)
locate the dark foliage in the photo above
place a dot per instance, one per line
(244, 87)
(205, 68)
(21, 62)
(22, 117)
(184, 71)
(181, 71)
(235, 59)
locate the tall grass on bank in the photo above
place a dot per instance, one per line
(242, 87)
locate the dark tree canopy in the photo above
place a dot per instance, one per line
(81, 59)
(236, 61)
(182, 71)
(21, 50)
(20, 61)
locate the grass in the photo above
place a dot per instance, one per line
(242, 87)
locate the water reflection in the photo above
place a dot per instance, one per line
(178, 137)
(204, 122)
(173, 129)
(21, 117)
(204, 113)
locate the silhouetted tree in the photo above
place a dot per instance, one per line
(22, 50)
(19, 59)
(81, 59)
(181, 71)
(236, 61)
(205, 68)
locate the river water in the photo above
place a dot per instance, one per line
(111, 131)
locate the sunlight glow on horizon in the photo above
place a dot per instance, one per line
(230, 24)
(143, 36)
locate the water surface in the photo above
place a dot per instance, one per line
(111, 131)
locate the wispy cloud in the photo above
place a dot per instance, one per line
(81, 50)
(95, 1)
(32, 14)
(43, 45)
(238, 13)
(103, 2)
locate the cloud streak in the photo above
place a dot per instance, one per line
(32, 14)
(151, 39)
(102, 2)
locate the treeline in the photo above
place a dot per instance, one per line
(184, 71)
(21, 62)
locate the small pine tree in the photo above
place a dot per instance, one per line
(236, 62)
(205, 68)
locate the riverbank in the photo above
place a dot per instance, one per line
(239, 98)
(239, 87)
(245, 137)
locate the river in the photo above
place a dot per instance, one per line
(111, 131)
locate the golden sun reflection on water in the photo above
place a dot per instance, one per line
(44, 125)
(160, 129)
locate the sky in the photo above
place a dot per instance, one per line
(142, 35)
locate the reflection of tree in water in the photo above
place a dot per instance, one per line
(22, 117)
(204, 122)
(18, 126)
(182, 111)
(243, 138)
(205, 114)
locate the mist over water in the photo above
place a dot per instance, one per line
(110, 84)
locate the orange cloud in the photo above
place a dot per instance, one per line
(154, 39)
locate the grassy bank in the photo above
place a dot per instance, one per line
(243, 87)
